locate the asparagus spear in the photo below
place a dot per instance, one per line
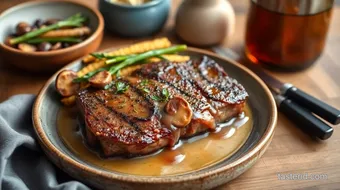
(130, 60)
(114, 58)
(62, 39)
(145, 55)
(74, 20)
(89, 75)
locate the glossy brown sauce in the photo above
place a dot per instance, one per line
(188, 155)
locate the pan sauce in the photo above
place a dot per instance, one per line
(188, 155)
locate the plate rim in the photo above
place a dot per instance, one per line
(129, 178)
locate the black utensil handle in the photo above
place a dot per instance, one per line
(325, 111)
(305, 120)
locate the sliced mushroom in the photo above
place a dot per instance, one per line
(64, 83)
(65, 45)
(7, 41)
(178, 112)
(44, 46)
(23, 28)
(37, 23)
(101, 79)
(51, 21)
(27, 47)
(56, 46)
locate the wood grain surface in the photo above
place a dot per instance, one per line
(291, 152)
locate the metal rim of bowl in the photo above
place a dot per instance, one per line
(252, 153)
(87, 41)
(142, 6)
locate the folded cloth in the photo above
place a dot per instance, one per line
(23, 165)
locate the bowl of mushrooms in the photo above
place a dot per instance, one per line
(45, 35)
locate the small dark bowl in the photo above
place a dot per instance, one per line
(50, 60)
(135, 21)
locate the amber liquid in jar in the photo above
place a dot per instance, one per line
(286, 41)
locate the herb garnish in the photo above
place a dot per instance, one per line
(134, 108)
(109, 85)
(146, 90)
(164, 96)
(165, 93)
(144, 82)
(122, 104)
(121, 87)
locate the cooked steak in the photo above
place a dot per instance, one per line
(160, 103)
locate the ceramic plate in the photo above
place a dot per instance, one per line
(264, 113)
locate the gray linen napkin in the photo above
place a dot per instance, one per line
(22, 163)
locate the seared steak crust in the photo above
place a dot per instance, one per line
(132, 123)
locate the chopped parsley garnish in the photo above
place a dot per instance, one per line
(109, 85)
(156, 98)
(134, 108)
(163, 97)
(121, 87)
(144, 82)
(165, 93)
(146, 90)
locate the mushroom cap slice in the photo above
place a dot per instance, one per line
(64, 83)
(178, 112)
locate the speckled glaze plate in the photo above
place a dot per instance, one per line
(262, 106)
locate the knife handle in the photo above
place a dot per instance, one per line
(305, 120)
(325, 111)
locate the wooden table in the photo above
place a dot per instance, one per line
(291, 152)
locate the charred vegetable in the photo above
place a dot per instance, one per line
(178, 112)
(27, 47)
(64, 84)
(56, 46)
(101, 79)
(23, 28)
(73, 32)
(54, 40)
(45, 46)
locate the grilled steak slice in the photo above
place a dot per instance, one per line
(204, 80)
(134, 122)
(119, 132)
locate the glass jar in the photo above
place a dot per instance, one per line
(288, 34)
